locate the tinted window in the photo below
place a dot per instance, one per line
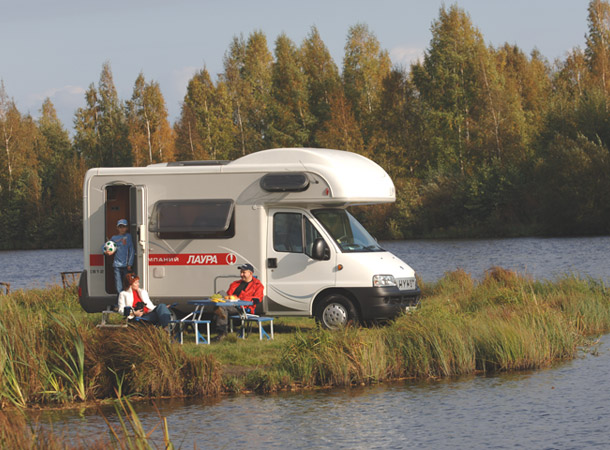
(288, 232)
(193, 219)
(285, 182)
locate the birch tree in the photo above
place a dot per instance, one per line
(150, 134)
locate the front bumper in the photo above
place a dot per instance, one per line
(382, 303)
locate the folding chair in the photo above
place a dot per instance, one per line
(195, 323)
(249, 319)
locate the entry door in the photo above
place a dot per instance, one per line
(293, 277)
(138, 223)
(117, 207)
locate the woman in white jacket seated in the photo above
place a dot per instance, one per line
(139, 303)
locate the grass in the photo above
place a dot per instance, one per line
(51, 353)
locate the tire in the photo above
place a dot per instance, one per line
(336, 311)
(173, 327)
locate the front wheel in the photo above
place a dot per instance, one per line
(336, 311)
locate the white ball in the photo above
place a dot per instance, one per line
(110, 247)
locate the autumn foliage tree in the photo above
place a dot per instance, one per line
(149, 132)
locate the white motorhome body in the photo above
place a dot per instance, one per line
(281, 210)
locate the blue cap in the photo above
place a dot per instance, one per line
(246, 267)
(121, 222)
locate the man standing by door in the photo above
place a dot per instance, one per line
(123, 257)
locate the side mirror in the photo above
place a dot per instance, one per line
(320, 250)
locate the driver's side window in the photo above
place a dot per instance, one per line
(288, 232)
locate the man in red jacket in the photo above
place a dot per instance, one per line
(247, 288)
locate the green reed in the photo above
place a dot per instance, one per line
(51, 352)
(504, 322)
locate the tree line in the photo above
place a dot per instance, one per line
(480, 141)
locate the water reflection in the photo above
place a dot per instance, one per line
(562, 407)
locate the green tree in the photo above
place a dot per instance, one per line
(365, 66)
(20, 184)
(189, 144)
(446, 82)
(342, 130)
(17, 139)
(574, 189)
(478, 119)
(597, 51)
(397, 132)
(258, 62)
(290, 118)
(323, 82)
(205, 129)
(54, 146)
(247, 77)
(150, 134)
(68, 204)
(86, 127)
(237, 90)
(101, 127)
(55, 153)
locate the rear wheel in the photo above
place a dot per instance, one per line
(336, 311)
(173, 327)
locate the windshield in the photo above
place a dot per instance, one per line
(347, 231)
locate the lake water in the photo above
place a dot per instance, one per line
(538, 257)
(565, 407)
(28, 269)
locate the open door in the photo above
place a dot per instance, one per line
(138, 221)
(116, 207)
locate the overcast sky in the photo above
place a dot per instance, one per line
(56, 48)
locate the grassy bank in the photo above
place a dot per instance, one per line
(51, 353)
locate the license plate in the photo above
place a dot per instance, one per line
(406, 284)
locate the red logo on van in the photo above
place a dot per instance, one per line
(192, 259)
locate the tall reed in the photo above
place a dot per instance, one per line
(335, 358)
(50, 352)
(504, 322)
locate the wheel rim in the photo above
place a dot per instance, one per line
(335, 315)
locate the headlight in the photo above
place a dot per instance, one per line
(383, 280)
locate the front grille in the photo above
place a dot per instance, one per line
(402, 300)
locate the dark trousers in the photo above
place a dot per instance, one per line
(221, 317)
(158, 316)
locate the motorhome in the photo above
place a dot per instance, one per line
(282, 210)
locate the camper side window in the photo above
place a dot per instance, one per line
(193, 219)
